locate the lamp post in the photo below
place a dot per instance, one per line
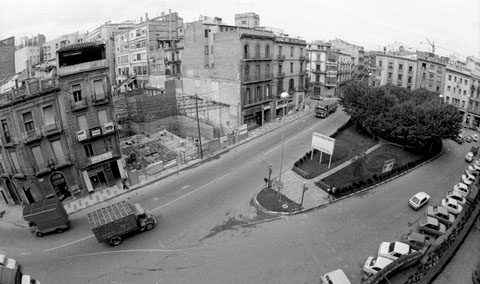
(304, 188)
(283, 95)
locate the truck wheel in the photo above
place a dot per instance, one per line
(149, 226)
(60, 230)
(115, 241)
(39, 234)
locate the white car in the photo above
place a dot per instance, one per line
(335, 277)
(470, 175)
(475, 137)
(473, 169)
(375, 263)
(469, 157)
(462, 189)
(393, 250)
(455, 195)
(418, 200)
(466, 180)
(452, 206)
(9, 263)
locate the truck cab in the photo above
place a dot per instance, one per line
(146, 221)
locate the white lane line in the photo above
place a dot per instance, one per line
(124, 251)
(70, 243)
(26, 253)
(183, 196)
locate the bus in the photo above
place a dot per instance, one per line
(324, 108)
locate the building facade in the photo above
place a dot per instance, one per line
(84, 76)
(149, 53)
(322, 66)
(396, 70)
(7, 57)
(430, 71)
(26, 57)
(51, 47)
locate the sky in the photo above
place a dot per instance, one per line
(452, 25)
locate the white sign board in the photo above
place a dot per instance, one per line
(242, 129)
(323, 143)
(388, 165)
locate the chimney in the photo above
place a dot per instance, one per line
(146, 16)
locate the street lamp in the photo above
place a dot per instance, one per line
(283, 95)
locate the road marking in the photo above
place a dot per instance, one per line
(123, 251)
(70, 243)
(26, 253)
(183, 196)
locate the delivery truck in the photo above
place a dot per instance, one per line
(46, 216)
(111, 223)
(324, 108)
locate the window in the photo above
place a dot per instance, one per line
(399, 77)
(102, 116)
(279, 68)
(317, 78)
(246, 51)
(267, 69)
(48, 116)
(13, 157)
(211, 49)
(267, 51)
(463, 104)
(77, 93)
(257, 51)
(82, 122)
(88, 150)
(38, 156)
(6, 132)
(466, 81)
(267, 91)
(28, 121)
(206, 49)
(291, 67)
(410, 68)
(460, 80)
(247, 70)
(98, 89)
(464, 92)
(280, 50)
(380, 63)
(206, 33)
(58, 151)
(291, 51)
(409, 79)
(449, 88)
(400, 66)
(258, 93)
(390, 75)
(257, 71)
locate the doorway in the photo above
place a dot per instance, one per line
(29, 195)
(59, 185)
(98, 180)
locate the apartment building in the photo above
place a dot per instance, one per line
(51, 47)
(35, 160)
(106, 33)
(26, 57)
(149, 53)
(83, 73)
(323, 66)
(395, 69)
(243, 68)
(430, 71)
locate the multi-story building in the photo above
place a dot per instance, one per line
(7, 57)
(51, 47)
(247, 20)
(457, 88)
(37, 40)
(395, 69)
(83, 74)
(26, 57)
(149, 52)
(106, 33)
(35, 160)
(243, 68)
(357, 53)
(430, 71)
(345, 69)
(323, 66)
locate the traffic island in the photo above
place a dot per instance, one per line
(273, 202)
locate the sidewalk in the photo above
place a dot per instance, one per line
(13, 213)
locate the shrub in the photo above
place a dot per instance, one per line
(369, 181)
(375, 177)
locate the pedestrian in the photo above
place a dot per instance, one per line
(124, 183)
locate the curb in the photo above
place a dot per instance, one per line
(346, 196)
(193, 163)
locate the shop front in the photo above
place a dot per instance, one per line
(253, 117)
(103, 174)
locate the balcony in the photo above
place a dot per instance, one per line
(303, 57)
(82, 67)
(256, 101)
(174, 61)
(258, 57)
(280, 75)
(100, 101)
(52, 129)
(32, 135)
(51, 165)
(89, 161)
(85, 135)
(280, 57)
(317, 71)
(80, 105)
(8, 142)
(256, 78)
(331, 83)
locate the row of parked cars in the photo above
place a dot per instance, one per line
(434, 223)
(10, 272)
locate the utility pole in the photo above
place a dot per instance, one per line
(198, 125)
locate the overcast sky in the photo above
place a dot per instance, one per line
(450, 24)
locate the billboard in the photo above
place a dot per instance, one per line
(323, 143)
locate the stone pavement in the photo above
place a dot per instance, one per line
(13, 213)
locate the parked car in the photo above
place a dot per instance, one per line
(469, 157)
(455, 195)
(335, 277)
(462, 189)
(452, 206)
(375, 263)
(441, 214)
(431, 226)
(474, 150)
(9, 263)
(476, 275)
(470, 175)
(475, 166)
(460, 138)
(393, 250)
(418, 200)
(473, 170)
(475, 137)
(468, 138)
(415, 240)
(467, 180)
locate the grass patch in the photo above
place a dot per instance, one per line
(348, 144)
(270, 200)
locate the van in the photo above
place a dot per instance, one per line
(335, 277)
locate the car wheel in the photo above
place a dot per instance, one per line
(60, 230)
(115, 241)
(39, 234)
(149, 226)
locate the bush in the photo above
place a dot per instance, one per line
(369, 181)
(375, 177)
(301, 172)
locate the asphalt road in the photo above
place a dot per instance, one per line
(199, 240)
